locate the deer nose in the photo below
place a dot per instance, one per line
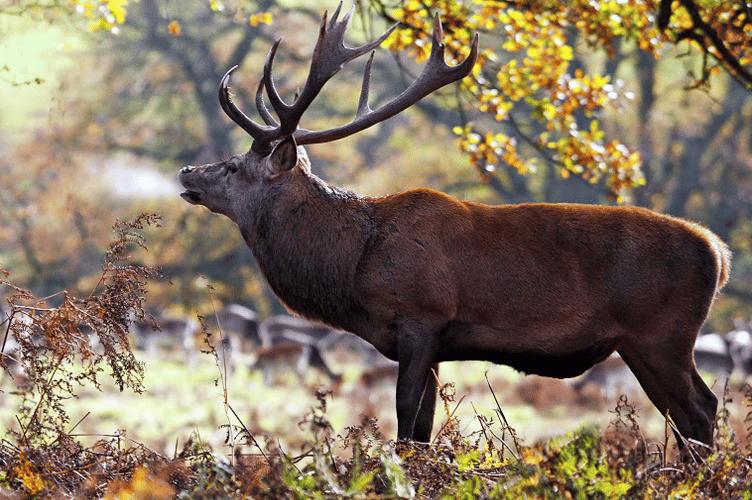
(187, 169)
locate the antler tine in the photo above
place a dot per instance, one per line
(258, 132)
(283, 110)
(363, 107)
(437, 36)
(261, 107)
(333, 21)
(435, 74)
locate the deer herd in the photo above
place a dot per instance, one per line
(286, 349)
(282, 344)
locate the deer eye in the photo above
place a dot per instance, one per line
(232, 167)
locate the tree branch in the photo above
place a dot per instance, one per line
(723, 55)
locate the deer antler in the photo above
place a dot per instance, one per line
(329, 56)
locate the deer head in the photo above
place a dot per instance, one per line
(229, 187)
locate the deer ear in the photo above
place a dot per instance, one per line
(284, 156)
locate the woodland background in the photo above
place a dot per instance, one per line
(101, 104)
(608, 102)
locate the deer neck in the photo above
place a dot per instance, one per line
(308, 239)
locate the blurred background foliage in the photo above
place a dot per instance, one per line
(643, 102)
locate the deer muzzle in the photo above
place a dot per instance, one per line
(190, 195)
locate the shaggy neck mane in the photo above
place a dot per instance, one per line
(308, 241)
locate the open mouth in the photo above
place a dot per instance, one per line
(192, 197)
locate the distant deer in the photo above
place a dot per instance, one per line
(712, 355)
(240, 320)
(612, 376)
(545, 288)
(286, 354)
(168, 333)
(289, 337)
(284, 327)
(740, 350)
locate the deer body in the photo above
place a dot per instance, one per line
(425, 277)
(501, 283)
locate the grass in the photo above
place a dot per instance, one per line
(300, 430)
(183, 398)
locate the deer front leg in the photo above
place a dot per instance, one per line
(424, 421)
(416, 386)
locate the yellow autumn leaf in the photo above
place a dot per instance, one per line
(100, 24)
(174, 28)
(261, 18)
(529, 456)
(566, 53)
(117, 8)
(31, 481)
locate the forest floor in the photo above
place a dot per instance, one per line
(175, 434)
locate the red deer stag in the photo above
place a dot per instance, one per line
(425, 278)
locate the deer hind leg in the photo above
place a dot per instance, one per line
(669, 377)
